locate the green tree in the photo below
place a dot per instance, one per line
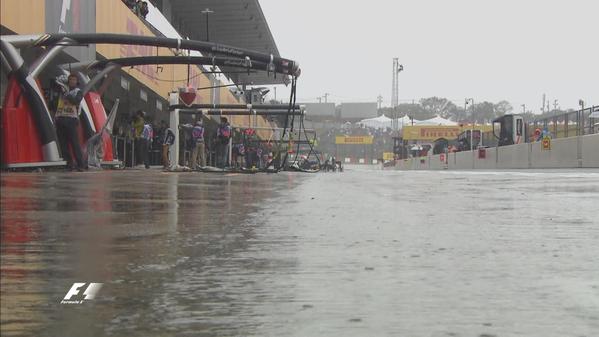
(437, 106)
(483, 112)
(503, 108)
(413, 110)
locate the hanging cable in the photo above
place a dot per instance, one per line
(299, 139)
(191, 77)
(188, 68)
(290, 111)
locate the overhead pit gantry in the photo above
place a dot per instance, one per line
(29, 136)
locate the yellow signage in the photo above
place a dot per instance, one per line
(432, 133)
(421, 132)
(364, 140)
(546, 143)
(388, 156)
(484, 128)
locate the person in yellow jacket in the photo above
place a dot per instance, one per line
(67, 123)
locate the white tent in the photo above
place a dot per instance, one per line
(382, 119)
(383, 122)
(380, 122)
(406, 121)
(437, 121)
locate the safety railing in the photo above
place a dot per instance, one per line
(575, 123)
(124, 150)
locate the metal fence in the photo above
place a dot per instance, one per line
(124, 150)
(575, 123)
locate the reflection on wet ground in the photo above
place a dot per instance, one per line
(363, 253)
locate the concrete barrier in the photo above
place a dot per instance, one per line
(563, 154)
(572, 152)
(489, 161)
(590, 151)
(513, 157)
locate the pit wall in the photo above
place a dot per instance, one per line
(573, 152)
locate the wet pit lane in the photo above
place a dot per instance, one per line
(362, 253)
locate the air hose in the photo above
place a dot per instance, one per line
(290, 111)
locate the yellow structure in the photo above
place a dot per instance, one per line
(23, 16)
(546, 143)
(432, 132)
(388, 156)
(353, 140)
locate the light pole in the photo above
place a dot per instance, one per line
(207, 12)
(579, 117)
(400, 69)
(397, 68)
(471, 100)
(466, 101)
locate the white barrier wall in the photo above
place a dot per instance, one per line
(563, 154)
(590, 151)
(573, 152)
(514, 157)
(490, 160)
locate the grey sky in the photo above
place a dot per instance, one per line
(489, 50)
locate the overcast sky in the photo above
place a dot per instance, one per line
(488, 50)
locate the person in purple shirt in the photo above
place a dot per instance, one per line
(223, 135)
(198, 156)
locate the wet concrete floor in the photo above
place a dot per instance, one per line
(362, 253)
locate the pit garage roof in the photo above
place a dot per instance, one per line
(239, 23)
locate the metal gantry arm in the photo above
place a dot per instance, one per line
(107, 66)
(235, 57)
(43, 61)
(35, 98)
(257, 107)
(289, 67)
(219, 61)
(225, 112)
(26, 75)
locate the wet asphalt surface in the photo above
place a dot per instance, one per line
(362, 253)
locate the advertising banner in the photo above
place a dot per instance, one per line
(432, 133)
(364, 140)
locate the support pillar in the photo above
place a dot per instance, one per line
(174, 125)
